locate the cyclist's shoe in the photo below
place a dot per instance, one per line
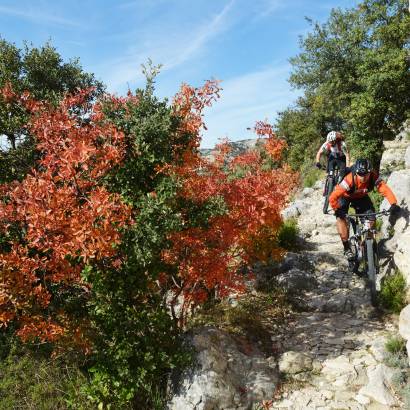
(349, 255)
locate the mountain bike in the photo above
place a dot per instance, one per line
(332, 179)
(364, 246)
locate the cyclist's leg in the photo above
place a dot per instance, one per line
(341, 223)
(331, 162)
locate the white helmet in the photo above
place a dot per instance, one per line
(331, 136)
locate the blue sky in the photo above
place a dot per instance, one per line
(244, 43)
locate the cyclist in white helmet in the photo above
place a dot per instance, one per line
(337, 153)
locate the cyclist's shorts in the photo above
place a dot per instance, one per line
(362, 205)
(333, 161)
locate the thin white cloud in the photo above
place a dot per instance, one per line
(37, 16)
(246, 99)
(173, 50)
(208, 31)
(268, 7)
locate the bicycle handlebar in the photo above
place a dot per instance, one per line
(385, 212)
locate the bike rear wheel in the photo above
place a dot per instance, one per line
(328, 190)
(372, 267)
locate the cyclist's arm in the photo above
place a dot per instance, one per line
(319, 153)
(338, 192)
(321, 150)
(383, 189)
(335, 196)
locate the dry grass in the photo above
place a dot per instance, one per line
(252, 318)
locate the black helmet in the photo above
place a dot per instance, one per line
(362, 166)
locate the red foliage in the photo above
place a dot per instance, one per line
(67, 216)
(208, 258)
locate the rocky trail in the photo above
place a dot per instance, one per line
(335, 344)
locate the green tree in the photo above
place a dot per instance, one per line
(356, 65)
(137, 343)
(303, 125)
(43, 73)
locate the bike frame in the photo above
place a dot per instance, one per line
(331, 181)
(365, 247)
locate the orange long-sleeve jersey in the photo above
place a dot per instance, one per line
(344, 189)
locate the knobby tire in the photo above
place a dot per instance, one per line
(328, 190)
(371, 261)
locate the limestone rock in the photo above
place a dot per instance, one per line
(295, 261)
(295, 362)
(399, 182)
(305, 193)
(338, 368)
(407, 157)
(296, 280)
(401, 256)
(362, 399)
(225, 377)
(397, 232)
(394, 153)
(404, 323)
(292, 211)
(378, 349)
(378, 386)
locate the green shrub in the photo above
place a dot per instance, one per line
(288, 235)
(393, 293)
(310, 176)
(397, 359)
(396, 345)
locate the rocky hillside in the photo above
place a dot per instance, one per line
(237, 148)
(330, 352)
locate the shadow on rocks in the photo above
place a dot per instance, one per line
(280, 273)
(386, 252)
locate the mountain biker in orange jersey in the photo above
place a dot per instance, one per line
(336, 150)
(353, 190)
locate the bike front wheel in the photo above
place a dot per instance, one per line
(328, 190)
(354, 263)
(372, 266)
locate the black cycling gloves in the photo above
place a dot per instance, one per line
(318, 166)
(394, 209)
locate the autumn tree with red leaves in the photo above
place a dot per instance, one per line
(120, 219)
(64, 216)
(243, 227)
